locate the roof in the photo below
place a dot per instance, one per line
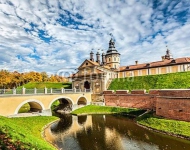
(94, 63)
(166, 62)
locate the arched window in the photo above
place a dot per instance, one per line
(86, 85)
(109, 59)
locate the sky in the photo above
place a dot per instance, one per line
(51, 35)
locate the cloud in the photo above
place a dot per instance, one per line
(50, 35)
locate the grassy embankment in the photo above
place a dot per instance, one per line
(24, 133)
(173, 127)
(42, 85)
(178, 80)
(93, 109)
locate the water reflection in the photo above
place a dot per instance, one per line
(108, 132)
(82, 119)
(62, 125)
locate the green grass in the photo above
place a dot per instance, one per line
(94, 109)
(26, 131)
(25, 108)
(176, 127)
(178, 80)
(42, 85)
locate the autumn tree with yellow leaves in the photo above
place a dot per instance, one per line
(15, 79)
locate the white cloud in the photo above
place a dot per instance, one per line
(140, 29)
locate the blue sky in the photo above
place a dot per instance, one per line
(42, 35)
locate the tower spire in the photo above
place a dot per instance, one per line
(112, 56)
(168, 54)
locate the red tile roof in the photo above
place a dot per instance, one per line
(165, 62)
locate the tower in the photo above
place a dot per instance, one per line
(112, 56)
(91, 56)
(98, 57)
(103, 59)
(168, 54)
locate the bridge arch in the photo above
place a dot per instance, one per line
(35, 104)
(70, 101)
(82, 100)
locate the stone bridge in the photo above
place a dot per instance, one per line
(41, 102)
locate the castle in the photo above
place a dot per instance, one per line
(97, 75)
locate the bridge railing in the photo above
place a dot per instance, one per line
(41, 91)
(29, 91)
(56, 90)
(69, 91)
(6, 91)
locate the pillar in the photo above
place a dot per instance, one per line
(23, 90)
(14, 91)
(62, 90)
(45, 90)
(35, 91)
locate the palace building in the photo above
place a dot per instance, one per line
(98, 74)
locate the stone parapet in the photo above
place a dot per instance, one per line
(122, 91)
(154, 92)
(138, 92)
(108, 92)
(175, 92)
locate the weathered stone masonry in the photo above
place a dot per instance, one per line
(173, 104)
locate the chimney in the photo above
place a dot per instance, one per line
(103, 59)
(136, 62)
(98, 57)
(91, 56)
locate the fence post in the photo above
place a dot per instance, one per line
(45, 90)
(23, 90)
(35, 90)
(74, 90)
(85, 90)
(51, 91)
(62, 90)
(14, 91)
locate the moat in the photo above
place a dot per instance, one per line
(108, 132)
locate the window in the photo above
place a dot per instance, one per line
(114, 59)
(109, 59)
(86, 64)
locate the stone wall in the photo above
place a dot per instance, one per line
(173, 108)
(97, 98)
(135, 99)
(173, 104)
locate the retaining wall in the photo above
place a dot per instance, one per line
(173, 104)
(135, 99)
